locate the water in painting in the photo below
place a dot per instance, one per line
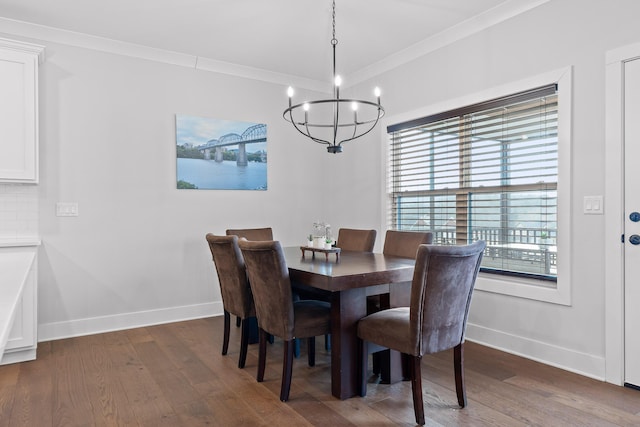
(215, 154)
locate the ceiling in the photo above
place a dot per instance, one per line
(289, 37)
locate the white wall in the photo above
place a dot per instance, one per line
(136, 254)
(558, 34)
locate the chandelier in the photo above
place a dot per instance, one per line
(335, 120)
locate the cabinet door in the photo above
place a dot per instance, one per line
(22, 342)
(18, 116)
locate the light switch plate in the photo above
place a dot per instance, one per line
(593, 205)
(67, 209)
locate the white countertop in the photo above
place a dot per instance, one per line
(19, 242)
(14, 269)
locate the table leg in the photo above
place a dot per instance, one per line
(347, 307)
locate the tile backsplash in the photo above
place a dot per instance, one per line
(18, 211)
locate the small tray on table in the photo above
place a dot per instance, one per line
(326, 252)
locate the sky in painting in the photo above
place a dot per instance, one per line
(196, 130)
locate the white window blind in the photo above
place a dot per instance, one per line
(489, 172)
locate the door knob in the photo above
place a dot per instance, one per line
(634, 239)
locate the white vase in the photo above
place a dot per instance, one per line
(327, 245)
(309, 243)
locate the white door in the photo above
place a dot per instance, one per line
(632, 222)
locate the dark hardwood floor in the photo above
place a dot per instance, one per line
(174, 375)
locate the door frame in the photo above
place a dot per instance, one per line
(614, 210)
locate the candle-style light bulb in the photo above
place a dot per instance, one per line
(305, 106)
(290, 94)
(377, 93)
(338, 81)
(354, 106)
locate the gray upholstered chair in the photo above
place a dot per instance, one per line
(254, 234)
(436, 319)
(405, 243)
(265, 233)
(350, 239)
(401, 244)
(234, 287)
(277, 313)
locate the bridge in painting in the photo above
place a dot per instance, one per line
(253, 134)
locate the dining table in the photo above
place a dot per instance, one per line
(349, 280)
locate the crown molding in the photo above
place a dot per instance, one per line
(471, 26)
(103, 44)
(491, 17)
(19, 46)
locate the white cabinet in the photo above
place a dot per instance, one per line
(19, 306)
(19, 111)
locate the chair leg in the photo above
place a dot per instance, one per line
(311, 350)
(327, 342)
(363, 355)
(296, 347)
(287, 369)
(376, 362)
(244, 343)
(416, 388)
(458, 366)
(262, 354)
(238, 321)
(225, 337)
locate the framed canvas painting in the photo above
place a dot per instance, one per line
(215, 154)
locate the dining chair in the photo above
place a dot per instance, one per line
(401, 244)
(276, 311)
(265, 233)
(405, 243)
(234, 286)
(254, 234)
(441, 290)
(351, 239)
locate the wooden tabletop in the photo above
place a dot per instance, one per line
(354, 270)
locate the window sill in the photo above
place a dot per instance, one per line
(539, 290)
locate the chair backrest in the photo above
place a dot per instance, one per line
(254, 234)
(405, 243)
(234, 286)
(271, 287)
(350, 239)
(443, 283)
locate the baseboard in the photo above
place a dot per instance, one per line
(18, 355)
(96, 325)
(560, 357)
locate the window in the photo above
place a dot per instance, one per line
(488, 171)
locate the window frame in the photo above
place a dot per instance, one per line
(522, 287)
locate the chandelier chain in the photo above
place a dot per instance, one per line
(334, 41)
